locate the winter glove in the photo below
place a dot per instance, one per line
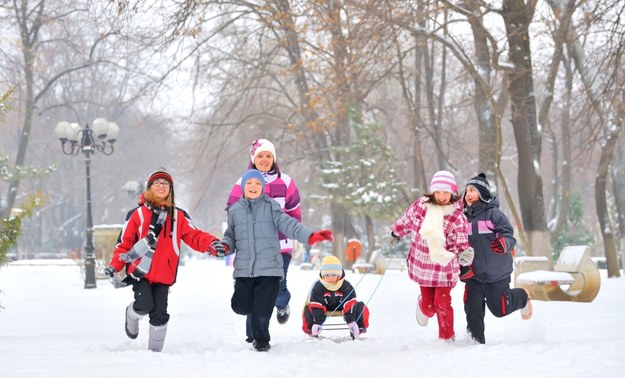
(218, 249)
(315, 330)
(466, 257)
(319, 236)
(393, 240)
(499, 245)
(466, 272)
(109, 271)
(353, 329)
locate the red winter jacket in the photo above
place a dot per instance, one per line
(167, 254)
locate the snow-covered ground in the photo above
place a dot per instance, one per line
(51, 327)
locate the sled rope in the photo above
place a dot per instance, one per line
(374, 289)
(379, 281)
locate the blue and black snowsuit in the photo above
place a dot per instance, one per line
(490, 286)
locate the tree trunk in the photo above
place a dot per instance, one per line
(601, 203)
(524, 123)
(28, 39)
(370, 238)
(419, 180)
(338, 230)
(561, 189)
(617, 172)
(484, 110)
(435, 103)
(562, 205)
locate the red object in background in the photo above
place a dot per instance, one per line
(353, 249)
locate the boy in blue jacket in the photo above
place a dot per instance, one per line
(253, 225)
(492, 238)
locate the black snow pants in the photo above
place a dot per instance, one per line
(500, 299)
(256, 297)
(152, 300)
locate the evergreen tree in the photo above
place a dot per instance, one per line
(574, 231)
(363, 180)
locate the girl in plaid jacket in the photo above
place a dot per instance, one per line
(439, 244)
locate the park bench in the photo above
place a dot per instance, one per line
(575, 277)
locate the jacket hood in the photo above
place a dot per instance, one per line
(481, 206)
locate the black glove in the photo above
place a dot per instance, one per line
(393, 240)
(499, 246)
(109, 271)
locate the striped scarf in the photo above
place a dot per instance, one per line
(144, 248)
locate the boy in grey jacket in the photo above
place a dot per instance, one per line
(253, 225)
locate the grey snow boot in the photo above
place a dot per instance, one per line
(157, 337)
(132, 322)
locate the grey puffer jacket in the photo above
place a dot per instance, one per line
(252, 233)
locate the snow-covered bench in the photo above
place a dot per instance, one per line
(575, 277)
(381, 263)
(362, 267)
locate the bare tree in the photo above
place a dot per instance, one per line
(30, 19)
(602, 87)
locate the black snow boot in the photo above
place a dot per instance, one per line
(283, 314)
(261, 347)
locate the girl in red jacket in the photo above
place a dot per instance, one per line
(439, 243)
(148, 248)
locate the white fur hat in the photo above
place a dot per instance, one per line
(260, 145)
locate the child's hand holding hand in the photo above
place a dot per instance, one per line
(319, 236)
(465, 257)
(218, 249)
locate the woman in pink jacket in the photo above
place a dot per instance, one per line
(439, 243)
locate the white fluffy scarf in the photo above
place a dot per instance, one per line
(432, 232)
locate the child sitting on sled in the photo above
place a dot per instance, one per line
(331, 295)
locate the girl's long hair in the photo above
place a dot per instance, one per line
(430, 198)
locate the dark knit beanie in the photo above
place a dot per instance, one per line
(483, 187)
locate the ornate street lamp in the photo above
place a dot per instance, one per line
(73, 140)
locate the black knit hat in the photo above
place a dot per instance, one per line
(483, 188)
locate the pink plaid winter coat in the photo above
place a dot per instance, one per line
(421, 268)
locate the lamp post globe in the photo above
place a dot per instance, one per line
(74, 140)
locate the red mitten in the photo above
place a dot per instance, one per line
(319, 236)
(499, 245)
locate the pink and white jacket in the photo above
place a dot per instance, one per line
(421, 268)
(281, 188)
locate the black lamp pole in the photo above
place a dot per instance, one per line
(87, 149)
(71, 145)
